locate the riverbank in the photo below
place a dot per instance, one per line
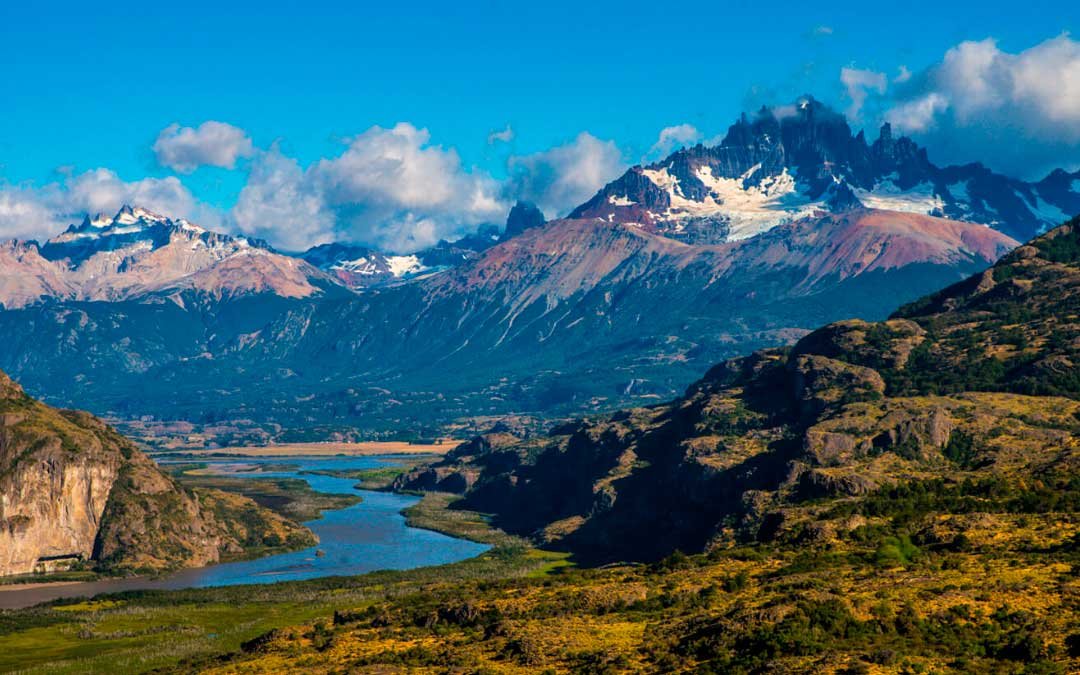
(150, 629)
(364, 449)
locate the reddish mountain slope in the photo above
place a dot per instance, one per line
(137, 253)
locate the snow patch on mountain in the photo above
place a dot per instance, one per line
(889, 196)
(747, 206)
(1045, 211)
(404, 265)
(776, 166)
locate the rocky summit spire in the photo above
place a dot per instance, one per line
(782, 163)
(523, 216)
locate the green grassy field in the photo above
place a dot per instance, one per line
(146, 630)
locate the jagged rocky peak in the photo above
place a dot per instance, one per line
(783, 163)
(128, 215)
(523, 215)
(133, 229)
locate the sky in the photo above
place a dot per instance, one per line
(400, 123)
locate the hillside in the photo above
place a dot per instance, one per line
(890, 497)
(75, 494)
(968, 399)
(579, 315)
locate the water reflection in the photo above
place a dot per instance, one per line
(365, 537)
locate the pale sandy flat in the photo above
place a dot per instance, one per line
(324, 449)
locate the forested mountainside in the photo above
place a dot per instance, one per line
(574, 315)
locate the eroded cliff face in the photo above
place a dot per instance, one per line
(74, 492)
(50, 511)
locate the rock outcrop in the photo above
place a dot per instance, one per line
(970, 392)
(74, 493)
(524, 216)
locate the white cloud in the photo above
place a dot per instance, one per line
(673, 138)
(859, 83)
(24, 214)
(185, 149)
(101, 190)
(390, 188)
(918, 114)
(563, 177)
(278, 203)
(501, 135)
(903, 75)
(42, 212)
(1018, 112)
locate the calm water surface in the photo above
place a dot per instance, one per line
(365, 537)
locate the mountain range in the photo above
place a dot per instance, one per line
(788, 163)
(792, 221)
(973, 391)
(889, 497)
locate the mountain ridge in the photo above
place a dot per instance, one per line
(973, 383)
(579, 314)
(140, 255)
(783, 164)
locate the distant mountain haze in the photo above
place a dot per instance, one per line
(791, 222)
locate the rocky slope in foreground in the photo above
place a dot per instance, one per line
(893, 497)
(958, 418)
(73, 492)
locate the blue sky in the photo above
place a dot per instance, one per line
(88, 86)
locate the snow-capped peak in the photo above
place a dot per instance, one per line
(129, 215)
(780, 165)
(100, 220)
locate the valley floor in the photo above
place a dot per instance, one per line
(1008, 606)
(183, 630)
(363, 449)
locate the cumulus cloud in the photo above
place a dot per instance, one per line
(24, 214)
(563, 177)
(859, 83)
(102, 191)
(1019, 112)
(185, 149)
(501, 135)
(29, 212)
(674, 137)
(390, 188)
(278, 203)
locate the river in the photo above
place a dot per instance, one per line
(365, 537)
